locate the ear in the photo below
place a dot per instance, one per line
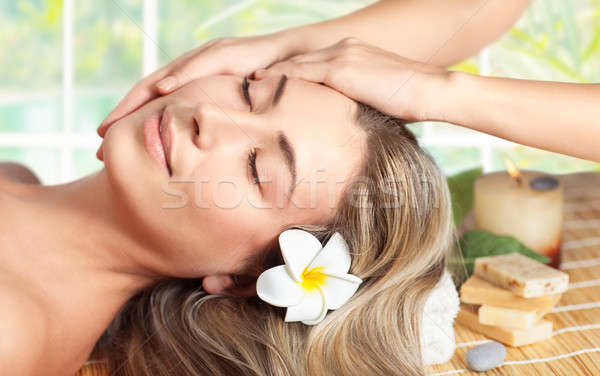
(222, 284)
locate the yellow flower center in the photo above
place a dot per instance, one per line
(313, 278)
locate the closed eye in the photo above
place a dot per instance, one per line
(246, 93)
(252, 166)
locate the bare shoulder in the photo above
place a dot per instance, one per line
(17, 172)
(23, 333)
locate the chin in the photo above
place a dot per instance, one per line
(134, 177)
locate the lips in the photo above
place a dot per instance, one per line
(166, 136)
(156, 132)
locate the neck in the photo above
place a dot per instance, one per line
(72, 242)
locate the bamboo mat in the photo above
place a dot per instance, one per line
(574, 348)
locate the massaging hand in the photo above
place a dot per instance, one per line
(239, 56)
(555, 116)
(368, 74)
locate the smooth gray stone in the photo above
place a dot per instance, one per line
(544, 183)
(486, 356)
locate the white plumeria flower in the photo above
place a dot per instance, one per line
(313, 279)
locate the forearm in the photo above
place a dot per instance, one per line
(433, 31)
(556, 116)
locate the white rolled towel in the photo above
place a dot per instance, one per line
(437, 323)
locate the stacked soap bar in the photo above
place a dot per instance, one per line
(507, 297)
(522, 275)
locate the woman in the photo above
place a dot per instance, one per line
(102, 241)
(196, 187)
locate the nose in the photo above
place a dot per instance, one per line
(213, 123)
(205, 118)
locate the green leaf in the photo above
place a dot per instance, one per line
(479, 243)
(593, 46)
(462, 187)
(466, 66)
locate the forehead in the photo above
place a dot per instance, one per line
(318, 121)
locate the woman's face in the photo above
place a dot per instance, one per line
(209, 181)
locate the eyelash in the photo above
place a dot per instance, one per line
(246, 93)
(252, 166)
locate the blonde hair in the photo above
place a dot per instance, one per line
(396, 219)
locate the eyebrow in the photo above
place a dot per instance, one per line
(280, 88)
(289, 156)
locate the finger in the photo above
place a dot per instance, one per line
(167, 85)
(190, 70)
(181, 71)
(141, 93)
(100, 153)
(134, 99)
(324, 54)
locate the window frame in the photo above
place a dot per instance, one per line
(66, 141)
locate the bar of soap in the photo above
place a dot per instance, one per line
(478, 291)
(508, 317)
(467, 316)
(522, 275)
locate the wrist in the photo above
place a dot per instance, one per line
(442, 96)
(291, 42)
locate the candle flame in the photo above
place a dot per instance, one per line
(512, 169)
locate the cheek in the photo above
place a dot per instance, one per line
(229, 235)
(214, 206)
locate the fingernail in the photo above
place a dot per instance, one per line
(167, 84)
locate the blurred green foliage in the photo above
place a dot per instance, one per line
(31, 43)
(561, 38)
(462, 191)
(555, 40)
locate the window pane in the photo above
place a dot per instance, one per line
(91, 107)
(108, 42)
(43, 162)
(528, 158)
(85, 162)
(416, 128)
(107, 57)
(40, 113)
(554, 40)
(30, 33)
(187, 24)
(450, 130)
(452, 160)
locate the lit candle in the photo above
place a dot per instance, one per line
(525, 204)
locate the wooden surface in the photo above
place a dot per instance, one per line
(574, 348)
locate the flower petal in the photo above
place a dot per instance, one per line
(339, 288)
(321, 316)
(298, 248)
(275, 286)
(312, 307)
(335, 256)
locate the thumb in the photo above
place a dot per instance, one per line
(182, 75)
(167, 84)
